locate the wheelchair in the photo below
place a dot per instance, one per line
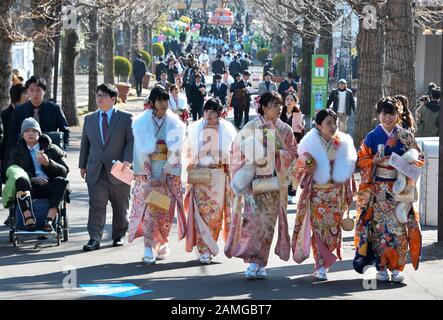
(40, 208)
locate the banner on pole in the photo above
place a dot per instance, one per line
(319, 86)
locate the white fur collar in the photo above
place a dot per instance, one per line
(226, 129)
(144, 134)
(344, 164)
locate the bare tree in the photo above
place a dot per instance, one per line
(6, 50)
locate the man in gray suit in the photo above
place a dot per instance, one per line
(267, 84)
(107, 136)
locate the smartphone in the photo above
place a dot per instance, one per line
(381, 150)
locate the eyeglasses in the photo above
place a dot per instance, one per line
(102, 95)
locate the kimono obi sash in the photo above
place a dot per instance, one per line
(326, 186)
(385, 171)
(161, 153)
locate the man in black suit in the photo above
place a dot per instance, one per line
(235, 67)
(219, 90)
(161, 66)
(197, 98)
(288, 85)
(218, 66)
(241, 98)
(49, 115)
(139, 71)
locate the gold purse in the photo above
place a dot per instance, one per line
(263, 185)
(347, 223)
(199, 176)
(158, 200)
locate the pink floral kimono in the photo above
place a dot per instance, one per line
(207, 206)
(325, 197)
(252, 229)
(157, 152)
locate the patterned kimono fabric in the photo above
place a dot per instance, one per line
(325, 201)
(155, 223)
(378, 229)
(252, 240)
(212, 200)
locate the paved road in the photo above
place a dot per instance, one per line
(35, 270)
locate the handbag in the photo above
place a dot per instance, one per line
(264, 185)
(199, 176)
(347, 223)
(158, 200)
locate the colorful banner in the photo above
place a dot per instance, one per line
(256, 75)
(319, 87)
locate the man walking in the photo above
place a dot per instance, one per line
(429, 116)
(139, 71)
(344, 103)
(107, 136)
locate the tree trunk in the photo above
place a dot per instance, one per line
(108, 54)
(145, 37)
(325, 35)
(70, 52)
(126, 39)
(6, 55)
(308, 45)
(289, 50)
(93, 55)
(44, 48)
(369, 92)
(44, 63)
(399, 73)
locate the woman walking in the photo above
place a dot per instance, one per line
(208, 196)
(292, 115)
(156, 193)
(387, 223)
(261, 156)
(324, 170)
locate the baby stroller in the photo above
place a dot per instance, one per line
(40, 209)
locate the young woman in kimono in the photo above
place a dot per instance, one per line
(264, 148)
(158, 135)
(207, 204)
(382, 237)
(324, 169)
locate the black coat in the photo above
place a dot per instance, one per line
(240, 96)
(4, 156)
(244, 65)
(139, 69)
(218, 66)
(220, 93)
(51, 116)
(285, 85)
(57, 167)
(196, 97)
(350, 102)
(159, 68)
(234, 67)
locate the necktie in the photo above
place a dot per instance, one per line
(36, 115)
(218, 86)
(104, 125)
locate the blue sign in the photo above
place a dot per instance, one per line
(119, 290)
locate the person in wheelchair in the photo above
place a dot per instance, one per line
(47, 170)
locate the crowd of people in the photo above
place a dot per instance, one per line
(238, 178)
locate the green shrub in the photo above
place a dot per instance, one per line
(278, 62)
(158, 50)
(122, 67)
(146, 57)
(262, 54)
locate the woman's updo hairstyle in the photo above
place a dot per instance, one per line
(388, 105)
(158, 93)
(268, 97)
(322, 114)
(214, 104)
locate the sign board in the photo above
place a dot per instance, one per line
(319, 87)
(256, 75)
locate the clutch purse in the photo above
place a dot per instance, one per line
(158, 200)
(199, 175)
(265, 185)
